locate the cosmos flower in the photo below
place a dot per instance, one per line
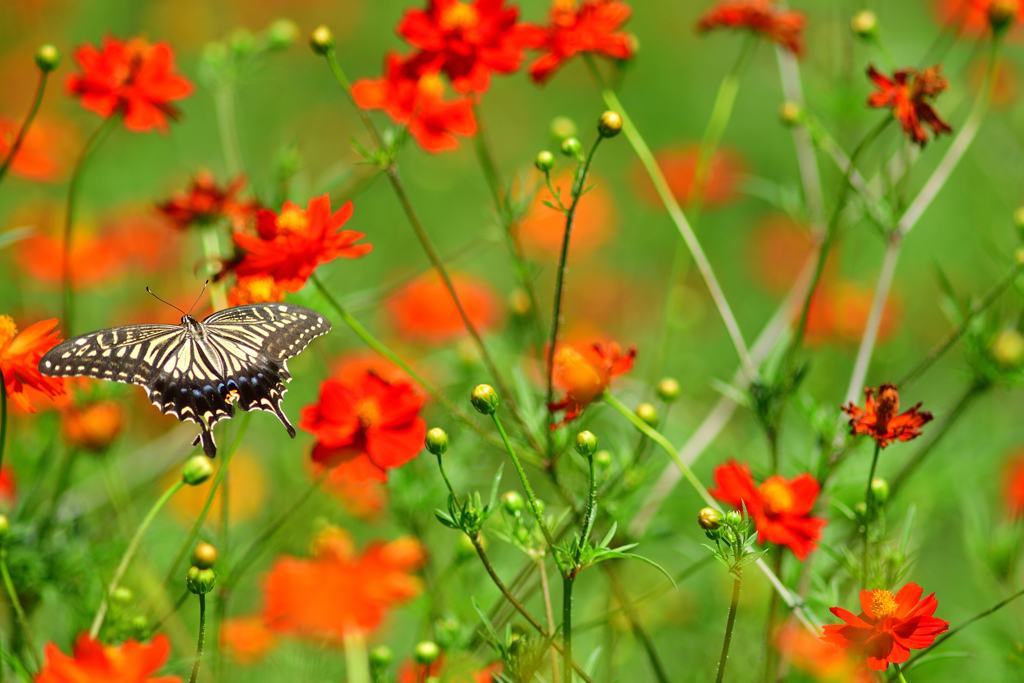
(824, 662)
(423, 309)
(585, 373)
(839, 313)
(879, 419)
(909, 93)
(588, 27)
(888, 627)
(258, 289)
(679, 166)
(205, 202)
(970, 16)
(92, 426)
(247, 639)
(359, 486)
(779, 25)
(780, 508)
(1013, 484)
(542, 228)
(19, 360)
(132, 78)
(39, 157)
(130, 662)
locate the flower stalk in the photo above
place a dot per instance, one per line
(730, 622)
(869, 508)
(199, 642)
(26, 628)
(37, 100)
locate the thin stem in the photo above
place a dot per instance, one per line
(199, 642)
(26, 629)
(339, 74)
(629, 609)
(899, 673)
(548, 613)
(177, 606)
(16, 146)
(728, 629)
(591, 509)
(227, 127)
(868, 515)
(567, 662)
(357, 663)
(867, 342)
(810, 176)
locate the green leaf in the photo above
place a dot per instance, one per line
(609, 536)
(654, 564)
(445, 519)
(487, 622)
(494, 487)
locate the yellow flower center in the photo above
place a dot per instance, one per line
(777, 496)
(292, 221)
(261, 289)
(367, 412)
(883, 604)
(459, 16)
(8, 330)
(431, 86)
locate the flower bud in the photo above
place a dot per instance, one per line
(197, 470)
(610, 124)
(861, 509)
(5, 528)
(437, 441)
(668, 389)
(446, 630)
(200, 581)
(733, 518)
(709, 519)
(484, 399)
(47, 57)
(214, 55)
(1001, 14)
(204, 556)
(140, 625)
(321, 40)
(571, 147)
(121, 597)
(513, 502)
(1008, 348)
(603, 458)
(519, 299)
(545, 161)
(540, 506)
(586, 444)
(282, 34)
(1018, 256)
(464, 547)
(864, 24)
(242, 42)
(791, 113)
(879, 490)
(380, 657)
(647, 413)
(426, 652)
(562, 127)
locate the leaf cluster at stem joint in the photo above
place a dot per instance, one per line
(469, 517)
(734, 542)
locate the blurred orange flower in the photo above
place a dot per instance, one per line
(824, 662)
(1006, 88)
(132, 78)
(8, 487)
(248, 492)
(336, 592)
(259, 289)
(679, 165)
(247, 639)
(584, 373)
(881, 419)
(839, 313)
(37, 158)
(92, 426)
(351, 367)
(1013, 483)
(542, 228)
(440, 669)
(358, 484)
(205, 202)
(779, 25)
(971, 16)
(130, 662)
(19, 360)
(908, 93)
(591, 27)
(424, 308)
(778, 248)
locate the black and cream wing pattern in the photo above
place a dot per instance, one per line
(197, 371)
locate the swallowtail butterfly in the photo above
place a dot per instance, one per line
(196, 371)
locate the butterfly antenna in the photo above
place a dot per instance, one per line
(199, 297)
(166, 302)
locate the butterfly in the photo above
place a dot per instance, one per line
(196, 371)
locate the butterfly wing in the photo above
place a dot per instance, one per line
(126, 354)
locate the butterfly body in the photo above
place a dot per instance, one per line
(197, 371)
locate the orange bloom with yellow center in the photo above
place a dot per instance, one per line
(424, 309)
(971, 16)
(19, 360)
(259, 289)
(821, 660)
(130, 662)
(93, 426)
(585, 373)
(592, 26)
(879, 419)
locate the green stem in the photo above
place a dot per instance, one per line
(591, 510)
(199, 643)
(26, 630)
(90, 147)
(175, 608)
(447, 482)
(357, 665)
(63, 477)
(129, 553)
(224, 103)
(868, 515)
(899, 673)
(773, 608)
(567, 582)
(728, 629)
(16, 146)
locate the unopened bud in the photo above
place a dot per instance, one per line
(709, 519)
(562, 127)
(1018, 220)
(282, 34)
(47, 57)
(242, 42)
(668, 389)
(513, 502)
(545, 161)
(733, 518)
(861, 509)
(1018, 256)
(791, 113)
(5, 528)
(446, 630)
(381, 657)
(321, 40)
(1008, 348)
(436, 441)
(204, 556)
(603, 458)
(519, 300)
(121, 597)
(610, 124)
(540, 506)
(879, 490)
(200, 581)
(1001, 14)
(864, 24)
(586, 444)
(571, 147)
(647, 413)
(426, 652)
(464, 547)
(197, 470)
(140, 625)
(484, 399)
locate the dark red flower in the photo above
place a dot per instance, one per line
(779, 25)
(369, 418)
(132, 78)
(585, 374)
(880, 420)
(908, 94)
(780, 508)
(290, 245)
(592, 26)
(414, 96)
(888, 627)
(467, 41)
(205, 202)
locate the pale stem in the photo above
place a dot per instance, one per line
(357, 663)
(548, 613)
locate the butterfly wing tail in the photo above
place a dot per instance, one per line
(209, 445)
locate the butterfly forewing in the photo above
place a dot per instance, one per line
(119, 354)
(279, 330)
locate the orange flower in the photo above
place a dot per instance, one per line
(247, 639)
(441, 669)
(971, 16)
(132, 78)
(888, 627)
(36, 158)
(822, 661)
(781, 26)
(679, 165)
(337, 592)
(205, 202)
(8, 487)
(358, 484)
(19, 360)
(131, 662)
(95, 259)
(424, 308)
(908, 94)
(880, 420)
(839, 312)
(591, 27)
(93, 426)
(585, 373)
(1013, 484)
(290, 245)
(259, 289)
(542, 228)
(778, 249)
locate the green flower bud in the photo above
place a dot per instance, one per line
(121, 597)
(647, 413)
(861, 509)
(1008, 348)
(540, 506)
(464, 548)
(204, 556)
(609, 125)
(586, 444)
(426, 652)
(603, 458)
(282, 34)
(200, 581)
(709, 519)
(47, 57)
(791, 113)
(1018, 219)
(437, 441)
(879, 490)
(447, 630)
(733, 518)
(5, 528)
(242, 42)
(864, 24)
(545, 161)
(214, 55)
(513, 502)
(140, 625)
(668, 389)
(571, 147)
(197, 470)
(484, 399)
(321, 40)
(381, 657)
(562, 127)
(1001, 14)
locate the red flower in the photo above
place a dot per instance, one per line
(19, 360)
(542, 228)
(424, 308)
(592, 26)
(92, 426)
(132, 78)
(370, 418)
(359, 486)
(414, 96)
(467, 41)
(781, 509)
(889, 626)
(1013, 484)
(880, 421)
(781, 26)
(8, 487)
(131, 662)
(909, 101)
(290, 245)
(824, 662)
(205, 202)
(585, 374)
(247, 639)
(971, 15)
(259, 289)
